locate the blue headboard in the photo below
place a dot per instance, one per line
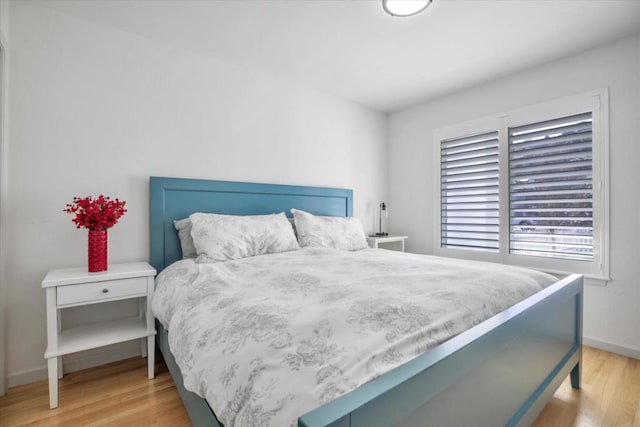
(177, 198)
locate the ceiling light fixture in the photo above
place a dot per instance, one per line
(405, 7)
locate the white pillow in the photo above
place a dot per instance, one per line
(186, 241)
(345, 233)
(226, 237)
(184, 234)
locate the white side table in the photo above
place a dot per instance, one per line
(375, 241)
(72, 287)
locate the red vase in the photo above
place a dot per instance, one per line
(97, 250)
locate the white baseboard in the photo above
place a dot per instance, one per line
(613, 348)
(78, 361)
(26, 377)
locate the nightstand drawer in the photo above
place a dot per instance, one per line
(96, 291)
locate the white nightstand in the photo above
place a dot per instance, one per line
(374, 241)
(72, 287)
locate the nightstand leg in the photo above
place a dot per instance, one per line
(53, 382)
(141, 311)
(59, 326)
(151, 354)
(151, 339)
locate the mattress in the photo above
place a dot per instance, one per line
(268, 338)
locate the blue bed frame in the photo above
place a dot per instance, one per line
(500, 372)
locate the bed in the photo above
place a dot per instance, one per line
(500, 372)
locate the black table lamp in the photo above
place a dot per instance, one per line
(383, 207)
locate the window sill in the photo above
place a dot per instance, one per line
(596, 281)
(589, 280)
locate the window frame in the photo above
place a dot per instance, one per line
(596, 102)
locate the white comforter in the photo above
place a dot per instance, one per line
(269, 338)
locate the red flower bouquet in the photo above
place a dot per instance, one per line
(97, 215)
(100, 213)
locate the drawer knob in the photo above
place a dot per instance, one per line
(105, 290)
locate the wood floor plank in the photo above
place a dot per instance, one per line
(120, 394)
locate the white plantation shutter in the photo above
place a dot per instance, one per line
(469, 192)
(551, 188)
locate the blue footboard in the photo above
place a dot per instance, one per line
(501, 372)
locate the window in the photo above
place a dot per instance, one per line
(527, 187)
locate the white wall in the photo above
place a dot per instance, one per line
(97, 110)
(4, 40)
(612, 317)
(4, 19)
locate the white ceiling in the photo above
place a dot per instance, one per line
(352, 49)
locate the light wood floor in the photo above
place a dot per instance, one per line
(609, 397)
(120, 394)
(117, 394)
